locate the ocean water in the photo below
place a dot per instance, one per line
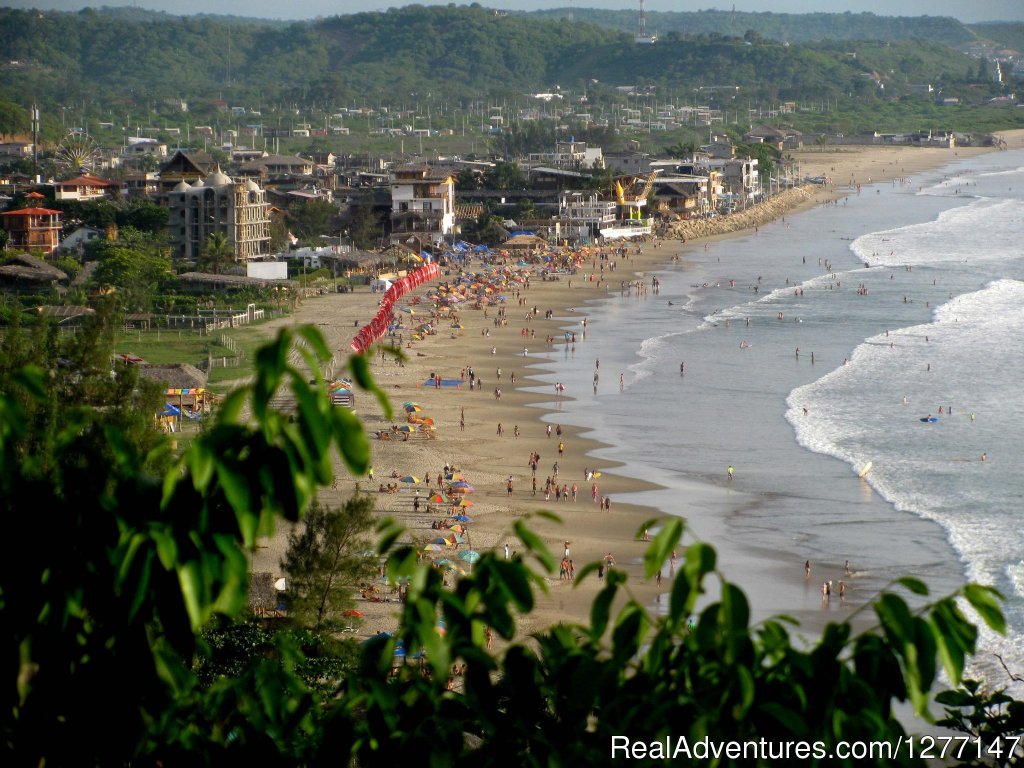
(812, 347)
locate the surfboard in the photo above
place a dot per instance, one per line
(929, 419)
(864, 470)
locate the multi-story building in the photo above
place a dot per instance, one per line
(422, 205)
(189, 167)
(36, 230)
(238, 210)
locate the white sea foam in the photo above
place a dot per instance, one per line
(985, 229)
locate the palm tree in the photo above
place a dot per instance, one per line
(217, 252)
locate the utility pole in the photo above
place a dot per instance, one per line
(35, 142)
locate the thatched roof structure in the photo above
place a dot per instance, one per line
(85, 273)
(31, 269)
(233, 281)
(525, 241)
(173, 375)
(64, 313)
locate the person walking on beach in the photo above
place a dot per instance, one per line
(807, 569)
(508, 486)
(501, 430)
(728, 471)
(561, 448)
(549, 430)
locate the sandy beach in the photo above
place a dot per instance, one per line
(486, 458)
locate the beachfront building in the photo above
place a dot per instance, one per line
(582, 216)
(782, 137)
(238, 210)
(685, 195)
(422, 206)
(35, 230)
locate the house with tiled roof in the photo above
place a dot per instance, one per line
(36, 230)
(85, 188)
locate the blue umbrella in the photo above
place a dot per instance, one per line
(463, 518)
(470, 556)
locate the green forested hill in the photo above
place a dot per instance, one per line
(108, 58)
(794, 28)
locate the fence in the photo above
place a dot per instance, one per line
(208, 320)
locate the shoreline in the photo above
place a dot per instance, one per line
(487, 459)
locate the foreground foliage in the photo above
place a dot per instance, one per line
(124, 567)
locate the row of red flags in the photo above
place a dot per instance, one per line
(377, 327)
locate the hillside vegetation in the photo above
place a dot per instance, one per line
(453, 52)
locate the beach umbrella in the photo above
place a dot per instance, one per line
(469, 556)
(462, 486)
(410, 479)
(379, 637)
(438, 498)
(352, 613)
(432, 547)
(463, 518)
(440, 541)
(465, 503)
(408, 403)
(457, 528)
(412, 408)
(407, 428)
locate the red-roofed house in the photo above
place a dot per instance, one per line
(36, 230)
(85, 188)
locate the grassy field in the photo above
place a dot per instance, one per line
(187, 346)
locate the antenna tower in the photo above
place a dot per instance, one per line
(642, 37)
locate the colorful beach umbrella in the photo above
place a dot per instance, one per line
(465, 503)
(410, 479)
(432, 547)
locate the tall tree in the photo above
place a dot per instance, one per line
(135, 266)
(217, 252)
(326, 558)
